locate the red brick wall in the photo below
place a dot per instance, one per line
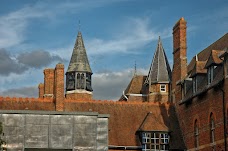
(41, 90)
(200, 108)
(49, 82)
(79, 96)
(156, 96)
(59, 87)
(137, 98)
(45, 104)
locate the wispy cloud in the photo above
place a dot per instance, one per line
(14, 25)
(134, 34)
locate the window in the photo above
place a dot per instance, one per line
(196, 135)
(194, 84)
(78, 81)
(210, 74)
(162, 88)
(155, 141)
(70, 78)
(212, 129)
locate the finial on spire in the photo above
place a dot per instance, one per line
(135, 73)
(79, 25)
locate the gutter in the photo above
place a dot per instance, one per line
(114, 147)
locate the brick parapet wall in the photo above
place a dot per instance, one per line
(13, 103)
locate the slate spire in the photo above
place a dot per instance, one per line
(79, 73)
(159, 70)
(79, 60)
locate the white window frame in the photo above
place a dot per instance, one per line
(155, 141)
(162, 88)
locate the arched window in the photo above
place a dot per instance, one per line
(212, 128)
(78, 81)
(196, 134)
(82, 81)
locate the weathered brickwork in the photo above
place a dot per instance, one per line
(49, 78)
(79, 96)
(41, 90)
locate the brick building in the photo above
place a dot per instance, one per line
(182, 109)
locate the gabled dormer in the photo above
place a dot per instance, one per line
(198, 74)
(212, 63)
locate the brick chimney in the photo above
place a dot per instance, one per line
(41, 90)
(48, 83)
(59, 87)
(179, 56)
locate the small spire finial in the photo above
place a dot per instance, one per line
(135, 73)
(79, 25)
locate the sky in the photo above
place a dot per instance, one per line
(118, 34)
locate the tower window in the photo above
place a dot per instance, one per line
(162, 88)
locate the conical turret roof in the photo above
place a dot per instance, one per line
(159, 70)
(79, 60)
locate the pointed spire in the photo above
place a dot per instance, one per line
(159, 70)
(79, 60)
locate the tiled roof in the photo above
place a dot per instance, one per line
(159, 69)
(135, 86)
(79, 60)
(219, 45)
(199, 68)
(126, 118)
(214, 58)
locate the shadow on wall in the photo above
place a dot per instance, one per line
(170, 119)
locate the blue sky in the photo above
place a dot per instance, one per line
(36, 34)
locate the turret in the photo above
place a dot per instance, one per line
(79, 73)
(159, 77)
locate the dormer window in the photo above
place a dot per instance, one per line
(162, 88)
(210, 74)
(194, 84)
(155, 141)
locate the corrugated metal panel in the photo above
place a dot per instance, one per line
(85, 130)
(77, 132)
(36, 131)
(13, 128)
(61, 131)
(102, 134)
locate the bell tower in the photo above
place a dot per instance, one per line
(79, 73)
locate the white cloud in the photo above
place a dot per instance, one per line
(14, 24)
(135, 33)
(110, 85)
